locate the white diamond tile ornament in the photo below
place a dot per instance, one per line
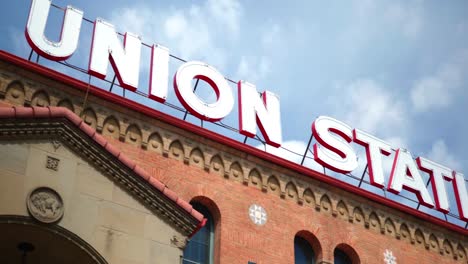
(257, 214)
(389, 258)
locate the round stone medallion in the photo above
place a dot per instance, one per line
(45, 205)
(257, 214)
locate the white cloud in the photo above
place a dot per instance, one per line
(407, 17)
(205, 29)
(271, 35)
(440, 89)
(244, 67)
(396, 142)
(440, 153)
(430, 92)
(227, 12)
(189, 35)
(175, 25)
(255, 68)
(367, 105)
(132, 20)
(362, 8)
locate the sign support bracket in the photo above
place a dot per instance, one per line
(362, 176)
(307, 149)
(194, 89)
(112, 84)
(30, 54)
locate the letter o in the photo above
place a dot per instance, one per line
(187, 97)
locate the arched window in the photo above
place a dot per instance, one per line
(341, 257)
(199, 249)
(303, 252)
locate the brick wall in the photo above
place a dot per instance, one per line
(241, 240)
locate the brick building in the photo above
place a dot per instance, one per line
(260, 208)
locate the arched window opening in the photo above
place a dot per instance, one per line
(303, 252)
(341, 257)
(199, 249)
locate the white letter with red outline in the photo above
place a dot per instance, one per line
(70, 33)
(187, 97)
(375, 148)
(438, 174)
(461, 195)
(159, 73)
(107, 47)
(406, 175)
(263, 111)
(334, 151)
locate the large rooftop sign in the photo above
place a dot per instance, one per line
(332, 150)
(125, 60)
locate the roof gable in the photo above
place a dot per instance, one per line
(62, 124)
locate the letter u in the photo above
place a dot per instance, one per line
(70, 33)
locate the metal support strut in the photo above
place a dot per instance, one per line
(112, 84)
(194, 89)
(362, 176)
(307, 149)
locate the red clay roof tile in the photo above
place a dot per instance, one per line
(112, 150)
(23, 112)
(7, 112)
(140, 171)
(197, 215)
(182, 203)
(73, 118)
(157, 184)
(100, 139)
(87, 129)
(59, 112)
(128, 162)
(41, 112)
(170, 194)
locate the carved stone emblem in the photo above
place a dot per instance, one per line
(257, 214)
(52, 163)
(45, 205)
(178, 242)
(389, 258)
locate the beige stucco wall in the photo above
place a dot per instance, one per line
(103, 214)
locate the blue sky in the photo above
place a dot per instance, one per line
(397, 69)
